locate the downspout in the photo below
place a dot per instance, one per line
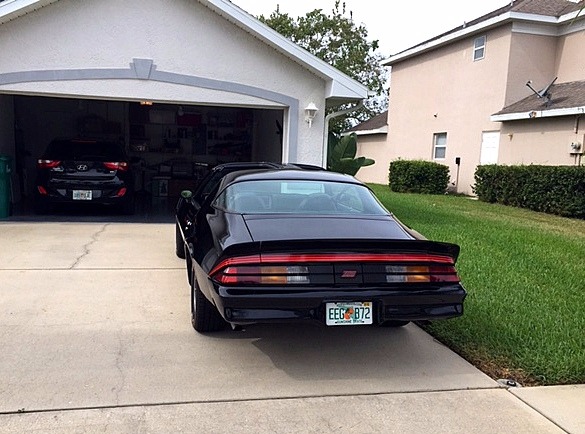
(326, 136)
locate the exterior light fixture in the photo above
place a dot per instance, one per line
(310, 113)
(145, 102)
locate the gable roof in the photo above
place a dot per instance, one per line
(566, 99)
(340, 87)
(376, 125)
(552, 12)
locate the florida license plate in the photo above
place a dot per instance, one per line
(350, 313)
(82, 195)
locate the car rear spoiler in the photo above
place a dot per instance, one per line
(345, 246)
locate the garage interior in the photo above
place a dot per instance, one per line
(171, 146)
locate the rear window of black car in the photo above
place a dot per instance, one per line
(298, 197)
(85, 150)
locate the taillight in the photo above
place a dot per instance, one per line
(420, 274)
(122, 166)
(42, 191)
(372, 269)
(48, 164)
(264, 275)
(121, 192)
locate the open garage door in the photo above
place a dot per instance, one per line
(170, 146)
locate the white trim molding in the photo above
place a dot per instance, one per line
(382, 130)
(534, 114)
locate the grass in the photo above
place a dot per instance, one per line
(525, 276)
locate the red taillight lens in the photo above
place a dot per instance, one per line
(122, 166)
(265, 275)
(48, 164)
(42, 190)
(286, 269)
(121, 192)
(421, 274)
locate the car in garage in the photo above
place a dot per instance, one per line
(84, 171)
(300, 245)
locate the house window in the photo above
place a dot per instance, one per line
(439, 146)
(479, 48)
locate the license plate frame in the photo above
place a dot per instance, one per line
(82, 194)
(349, 313)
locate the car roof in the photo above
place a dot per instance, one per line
(248, 165)
(288, 174)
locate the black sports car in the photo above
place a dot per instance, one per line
(84, 171)
(281, 245)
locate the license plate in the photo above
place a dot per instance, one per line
(82, 195)
(350, 313)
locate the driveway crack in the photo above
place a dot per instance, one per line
(87, 246)
(119, 356)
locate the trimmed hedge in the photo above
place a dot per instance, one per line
(551, 189)
(417, 176)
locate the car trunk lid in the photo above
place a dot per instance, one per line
(268, 228)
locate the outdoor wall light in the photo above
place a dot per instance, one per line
(310, 113)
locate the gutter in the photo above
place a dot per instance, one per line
(326, 134)
(12, 9)
(534, 114)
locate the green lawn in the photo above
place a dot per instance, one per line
(525, 276)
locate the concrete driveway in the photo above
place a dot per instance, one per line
(96, 337)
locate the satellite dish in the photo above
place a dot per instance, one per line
(544, 93)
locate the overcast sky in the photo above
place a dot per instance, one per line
(396, 24)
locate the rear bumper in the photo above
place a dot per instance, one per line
(245, 307)
(105, 195)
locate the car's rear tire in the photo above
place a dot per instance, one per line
(127, 208)
(394, 323)
(204, 316)
(179, 245)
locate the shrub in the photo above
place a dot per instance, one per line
(552, 189)
(416, 176)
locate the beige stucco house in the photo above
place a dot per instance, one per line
(463, 96)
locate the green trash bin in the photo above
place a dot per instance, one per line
(5, 188)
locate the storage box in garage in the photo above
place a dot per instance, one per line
(160, 186)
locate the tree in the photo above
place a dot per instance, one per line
(337, 40)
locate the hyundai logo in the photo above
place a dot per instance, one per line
(82, 167)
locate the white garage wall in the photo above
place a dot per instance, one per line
(180, 36)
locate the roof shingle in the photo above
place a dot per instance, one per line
(563, 96)
(375, 123)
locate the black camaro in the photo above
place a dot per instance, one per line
(281, 245)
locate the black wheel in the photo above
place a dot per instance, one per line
(394, 323)
(204, 316)
(179, 245)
